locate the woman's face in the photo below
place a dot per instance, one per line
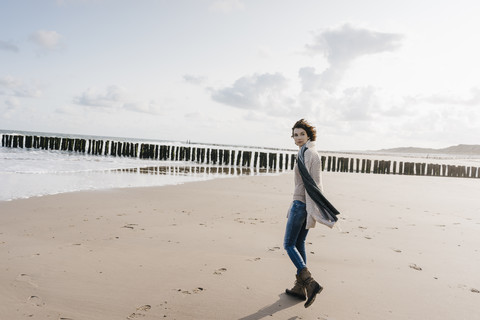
(300, 136)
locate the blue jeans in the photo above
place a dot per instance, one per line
(295, 235)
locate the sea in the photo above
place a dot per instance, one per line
(29, 172)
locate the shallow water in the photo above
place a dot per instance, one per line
(28, 173)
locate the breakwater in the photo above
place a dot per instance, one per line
(273, 160)
(345, 164)
(277, 160)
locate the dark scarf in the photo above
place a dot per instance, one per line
(327, 210)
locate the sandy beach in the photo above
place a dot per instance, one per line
(406, 247)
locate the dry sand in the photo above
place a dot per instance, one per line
(407, 249)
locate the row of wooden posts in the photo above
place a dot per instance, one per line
(204, 155)
(342, 164)
(243, 158)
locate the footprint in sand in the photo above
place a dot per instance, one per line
(249, 220)
(239, 220)
(414, 266)
(23, 277)
(138, 313)
(144, 308)
(196, 290)
(36, 301)
(273, 248)
(464, 286)
(256, 220)
(220, 271)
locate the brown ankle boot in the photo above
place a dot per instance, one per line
(298, 290)
(311, 286)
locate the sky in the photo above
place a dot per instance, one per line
(368, 75)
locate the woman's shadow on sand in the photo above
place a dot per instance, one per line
(283, 302)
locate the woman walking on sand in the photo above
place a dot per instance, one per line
(309, 206)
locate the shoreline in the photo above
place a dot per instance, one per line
(31, 185)
(213, 250)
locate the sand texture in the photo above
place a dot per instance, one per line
(407, 248)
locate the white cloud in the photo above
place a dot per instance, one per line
(253, 115)
(195, 116)
(12, 102)
(16, 87)
(48, 40)
(341, 46)
(68, 110)
(8, 46)
(433, 116)
(268, 93)
(454, 99)
(227, 6)
(265, 92)
(358, 104)
(10, 83)
(309, 79)
(197, 80)
(111, 97)
(12, 105)
(264, 52)
(116, 98)
(150, 107)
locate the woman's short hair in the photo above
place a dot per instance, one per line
(303, 124)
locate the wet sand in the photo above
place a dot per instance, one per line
(406, 248)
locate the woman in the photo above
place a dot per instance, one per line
(304, 211)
